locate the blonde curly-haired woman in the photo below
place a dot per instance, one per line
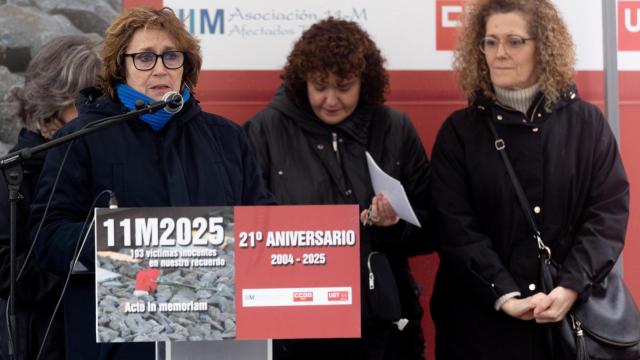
(515, 63)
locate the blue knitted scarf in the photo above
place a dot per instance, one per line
(128, 97)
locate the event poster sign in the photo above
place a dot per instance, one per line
(177, 274)
(298, 271)
(165, 274)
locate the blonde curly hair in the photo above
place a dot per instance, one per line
(555, 51)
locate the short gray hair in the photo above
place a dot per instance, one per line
(54, 77)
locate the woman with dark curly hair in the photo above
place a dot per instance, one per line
(311, 142)
(515, 63)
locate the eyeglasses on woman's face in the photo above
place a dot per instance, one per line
(147, 60)
(511, 44)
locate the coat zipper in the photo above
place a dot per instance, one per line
(372, 283)
(579, 329)
(334, 142)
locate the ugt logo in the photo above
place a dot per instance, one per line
(629, 26)
(338, 296)
(448, 17)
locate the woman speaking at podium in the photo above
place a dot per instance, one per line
(179, 158)
(311, 142)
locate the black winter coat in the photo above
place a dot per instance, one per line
(197, 159)
(37, 290)
(569, 166)
(299, 165)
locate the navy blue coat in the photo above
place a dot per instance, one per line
(197, 159)
(568, 164)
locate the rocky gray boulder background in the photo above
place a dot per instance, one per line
(25, 26)
(89, 16)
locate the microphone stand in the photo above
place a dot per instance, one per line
(11, 165)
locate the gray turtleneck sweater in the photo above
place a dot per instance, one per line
(519, 99)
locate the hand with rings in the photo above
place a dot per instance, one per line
(380, 213)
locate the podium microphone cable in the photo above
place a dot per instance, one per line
(35, 239)
(84, 234)
(112, 202)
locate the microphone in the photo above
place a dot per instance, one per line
(113, 201)
(173, 102)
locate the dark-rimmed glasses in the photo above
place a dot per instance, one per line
(512, 44)
(147, 60)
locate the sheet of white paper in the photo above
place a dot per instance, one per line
(392, 189)
(105, 275)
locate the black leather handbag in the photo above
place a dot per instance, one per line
(604, 326)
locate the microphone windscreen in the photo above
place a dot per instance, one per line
(173, 102)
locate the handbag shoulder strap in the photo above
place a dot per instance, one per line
(524, 204)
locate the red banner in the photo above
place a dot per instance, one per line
(297, 272)
(629, 25)
(448, 17)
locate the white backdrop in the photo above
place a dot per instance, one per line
(258, 34)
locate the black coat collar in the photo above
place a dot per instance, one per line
(568, 96)
(355, 126)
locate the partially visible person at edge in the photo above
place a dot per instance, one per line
(311, 142)
(46, 102)
(515, 63)
(190, 158)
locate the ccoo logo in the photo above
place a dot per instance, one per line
(629, 26)
(448, 17)
(300, 296)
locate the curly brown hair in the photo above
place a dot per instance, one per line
(555, 51)
(339, 47)
(119, 34)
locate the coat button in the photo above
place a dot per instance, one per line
(537, 209)
(348, 192)
(499, 117)
(532, 286)
(320, 147)
(539, 114)
(535, 130)
(280, 172)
